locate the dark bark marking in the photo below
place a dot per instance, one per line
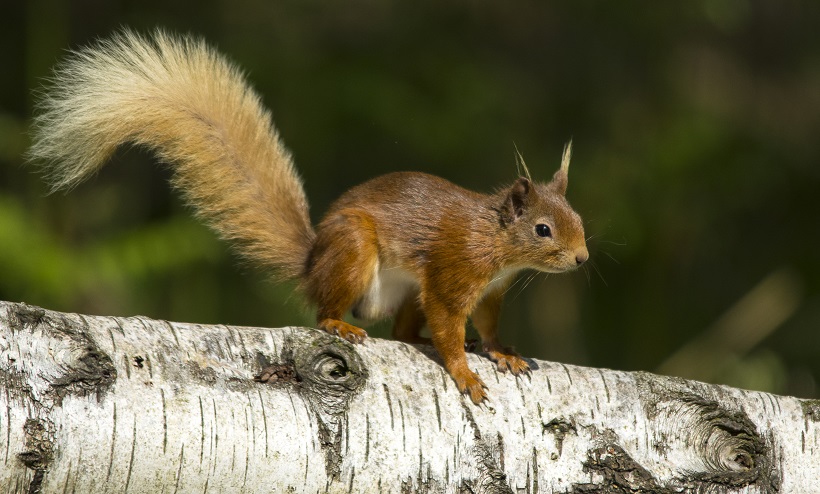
(110, 335)
(87, 370)
(249, 426)
(216, 432)
(772, 401)
(389, 406)
(8, 425)
(606, 388)
(173, 332)
(119, 325)
(264, 420)
(36, 485)
(421, 456)
(164, 422)
(490, 476)
(179, 470)
(811, 410)
(520, 389)
(39, 450)
(242, 343)
(367, 438)
(247, 464)
(347, 436)
(273, 342)
(438, 408)
(292, 405)
(500, 446)
(127, 366)
(201, 431)
(403, 429)
(569, 376)
(534, 470)
(22, 315)
(113, 443)
(67, 478)
(621, 474)
(559, 428)
(131, 460)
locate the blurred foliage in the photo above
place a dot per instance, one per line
(697, 165)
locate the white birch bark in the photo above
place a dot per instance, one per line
(105, 404)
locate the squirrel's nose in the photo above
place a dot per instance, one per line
(581, 255)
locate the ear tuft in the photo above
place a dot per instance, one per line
(560, 179)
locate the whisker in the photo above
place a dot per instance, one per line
(526, 284)
(532, 278)
(609, 256)
(595, 266)
(622, 243)
(517, 280)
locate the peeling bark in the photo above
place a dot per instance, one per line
(103, 404)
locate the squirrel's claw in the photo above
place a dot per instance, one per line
(470, 384)
(344, 330)
(507, 359)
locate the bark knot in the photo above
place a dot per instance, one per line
(330, 372)
(721, 442)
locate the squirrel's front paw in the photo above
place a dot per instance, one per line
(470, 384)
(506, 359)
(340, 328)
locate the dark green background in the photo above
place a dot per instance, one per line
(696, 127)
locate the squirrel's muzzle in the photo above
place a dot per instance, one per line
(581, 255)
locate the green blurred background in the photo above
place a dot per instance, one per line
(695, 127)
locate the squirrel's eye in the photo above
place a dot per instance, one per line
(543, 230)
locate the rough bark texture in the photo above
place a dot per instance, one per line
(105, 404)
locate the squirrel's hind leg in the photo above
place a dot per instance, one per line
(409, 321)
(342, 264)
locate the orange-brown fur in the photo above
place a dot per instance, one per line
(408, 245)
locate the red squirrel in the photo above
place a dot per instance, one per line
(408, 245)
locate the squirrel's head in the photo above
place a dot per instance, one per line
(547, 233)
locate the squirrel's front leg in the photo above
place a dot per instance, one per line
(485, 320)
(447, 331)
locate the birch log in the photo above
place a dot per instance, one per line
(106, 404)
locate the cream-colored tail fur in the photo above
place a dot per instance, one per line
(194, 109)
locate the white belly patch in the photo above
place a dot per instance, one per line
(387, 291)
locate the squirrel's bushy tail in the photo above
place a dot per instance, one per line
(191, 106)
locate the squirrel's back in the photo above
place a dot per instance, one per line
(180, 98)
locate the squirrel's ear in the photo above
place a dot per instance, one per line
(515, 204)
(560, 179)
